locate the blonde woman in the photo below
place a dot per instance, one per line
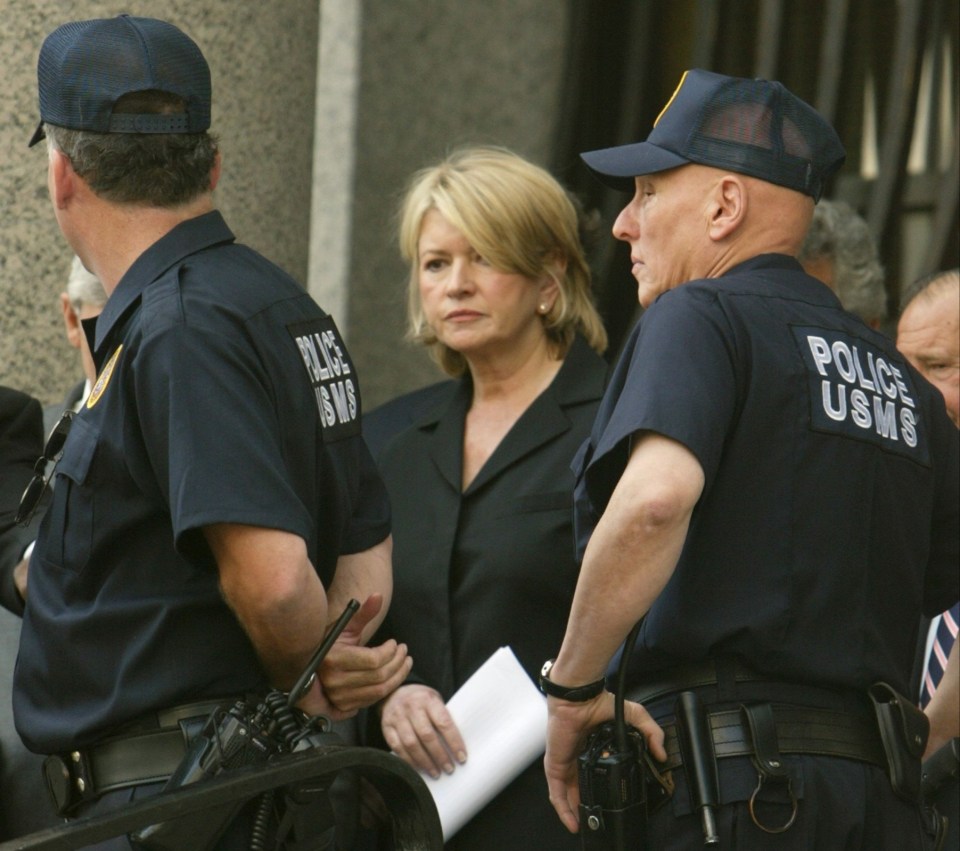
(478, 467)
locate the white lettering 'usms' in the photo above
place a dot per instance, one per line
(331, 375)
(873, 389)
(860, 391)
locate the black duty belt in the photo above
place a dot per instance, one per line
(799, 730)
(770, 718)
(697, 675)
(148, 753)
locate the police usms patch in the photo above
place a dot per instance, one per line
(331, 374)
(858, 391)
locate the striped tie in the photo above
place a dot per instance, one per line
(942, 643)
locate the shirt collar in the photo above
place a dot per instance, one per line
(186, 238)
(804, 285)
(582, 377)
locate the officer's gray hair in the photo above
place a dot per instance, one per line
(840, 235)
(160, 170)
(83, 287)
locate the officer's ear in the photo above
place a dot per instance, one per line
(215, 172)
(729, 206)
(63, 179)
(71, 321)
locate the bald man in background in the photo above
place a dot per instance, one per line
(928, 335)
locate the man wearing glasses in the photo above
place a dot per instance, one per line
(215, 506)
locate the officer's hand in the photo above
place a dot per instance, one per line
(354, 677)
(418, 728)
(353, 632)
(567, 728)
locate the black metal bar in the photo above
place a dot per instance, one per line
(705, 40)
(831, 58)
(416, 825)
(901, 102)
(769, 39)
(945, 218)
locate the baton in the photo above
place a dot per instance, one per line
(310, 672)
(696, 746)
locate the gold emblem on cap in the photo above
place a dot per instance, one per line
(103, 379)
(676, 91)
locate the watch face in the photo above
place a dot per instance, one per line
(545, 670)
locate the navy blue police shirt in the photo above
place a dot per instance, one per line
(829, 515)
(224, 395)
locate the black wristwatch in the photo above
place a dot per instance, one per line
(576, 694)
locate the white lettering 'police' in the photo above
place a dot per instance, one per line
(864, 389)
(322, 356)
(331, 375)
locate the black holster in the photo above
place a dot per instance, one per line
(903, 730)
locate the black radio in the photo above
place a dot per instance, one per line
(618, 779)
(613, 795)
(249, 733)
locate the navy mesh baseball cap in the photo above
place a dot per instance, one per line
(86, 66)
(752, 127)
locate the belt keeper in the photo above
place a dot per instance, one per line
(767, 760)
(69, 781)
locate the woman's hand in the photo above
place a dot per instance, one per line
(420, 730)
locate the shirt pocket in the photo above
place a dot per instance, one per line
(67, 536)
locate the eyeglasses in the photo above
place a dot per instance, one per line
(38, 484)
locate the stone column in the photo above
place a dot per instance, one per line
(428, 76)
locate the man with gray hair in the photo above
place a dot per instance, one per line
(840, 250)
(216, 506)
(83, 298)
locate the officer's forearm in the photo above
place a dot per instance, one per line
(269, 582)
(631, 555)
(359, 575)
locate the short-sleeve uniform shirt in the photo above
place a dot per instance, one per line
(828, 519)
(224, 395)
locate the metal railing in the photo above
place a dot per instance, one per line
(413, 816)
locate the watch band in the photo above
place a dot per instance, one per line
(575, 694)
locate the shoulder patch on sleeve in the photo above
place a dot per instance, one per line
(331, 374)
(857, 390)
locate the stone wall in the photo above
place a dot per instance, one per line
(263, 63)
(312, 173)
(434, 76)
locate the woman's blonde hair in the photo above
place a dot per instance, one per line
(519, 218)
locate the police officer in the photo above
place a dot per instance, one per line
(772, 486)
(215, 506)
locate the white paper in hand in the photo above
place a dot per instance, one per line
(503, 720)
